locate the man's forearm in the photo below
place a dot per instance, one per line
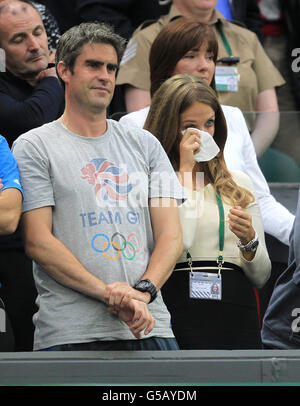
(167, 234)
(61, 264)
(161, 264)
(10, 210)
(167, 250)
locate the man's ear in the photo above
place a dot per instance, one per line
(63, 71)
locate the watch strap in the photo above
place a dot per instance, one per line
(250, 246)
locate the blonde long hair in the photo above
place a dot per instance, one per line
(173, 97)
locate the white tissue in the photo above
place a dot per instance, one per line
(208, 148)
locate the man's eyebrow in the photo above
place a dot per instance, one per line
(94, 61)
(113, 65)
(100, 62)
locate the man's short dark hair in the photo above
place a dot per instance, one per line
(71, 42)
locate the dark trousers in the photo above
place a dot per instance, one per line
(18, 293)
(146, 344)
(204, 324)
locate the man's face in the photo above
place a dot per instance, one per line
(24, 40)
(91, 82)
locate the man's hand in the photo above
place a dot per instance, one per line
(45, 74)
(131, 306)
(115, 293)
(136, 315)
(52, 56)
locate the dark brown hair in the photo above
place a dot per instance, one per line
(173, 42)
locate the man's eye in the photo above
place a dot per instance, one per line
(93, 64)
(38, 33)
(111, 68)
(18, 40)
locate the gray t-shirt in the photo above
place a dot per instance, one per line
(99, 189)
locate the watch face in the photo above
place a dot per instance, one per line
(144, 284)
(253, 246)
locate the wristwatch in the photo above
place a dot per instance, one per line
(145, 285)
(251, 246)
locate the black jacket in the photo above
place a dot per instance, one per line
(24, 107)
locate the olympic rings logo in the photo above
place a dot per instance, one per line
(101, 243)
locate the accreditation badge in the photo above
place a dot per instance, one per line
(227, 79)
(205, 285)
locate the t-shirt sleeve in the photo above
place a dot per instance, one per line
(35, 174)
(9, 173)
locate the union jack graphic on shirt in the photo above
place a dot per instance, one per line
(111, 182)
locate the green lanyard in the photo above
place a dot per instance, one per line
(220, 260)
(224, 39)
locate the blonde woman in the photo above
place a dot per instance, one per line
(210, 294)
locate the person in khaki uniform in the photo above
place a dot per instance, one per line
(257, 76)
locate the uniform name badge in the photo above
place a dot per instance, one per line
(205, 285)
(227, 79)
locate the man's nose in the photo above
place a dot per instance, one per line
(33, 44)
(103, 73)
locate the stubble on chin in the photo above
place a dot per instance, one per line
(28, 73)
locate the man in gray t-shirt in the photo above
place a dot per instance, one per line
(99, 214)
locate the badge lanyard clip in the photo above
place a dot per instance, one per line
(190, 262)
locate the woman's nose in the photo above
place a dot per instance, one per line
(202, 63)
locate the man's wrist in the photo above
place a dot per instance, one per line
(147, 297)
(146, 287)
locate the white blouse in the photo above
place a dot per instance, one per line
(199, 216)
